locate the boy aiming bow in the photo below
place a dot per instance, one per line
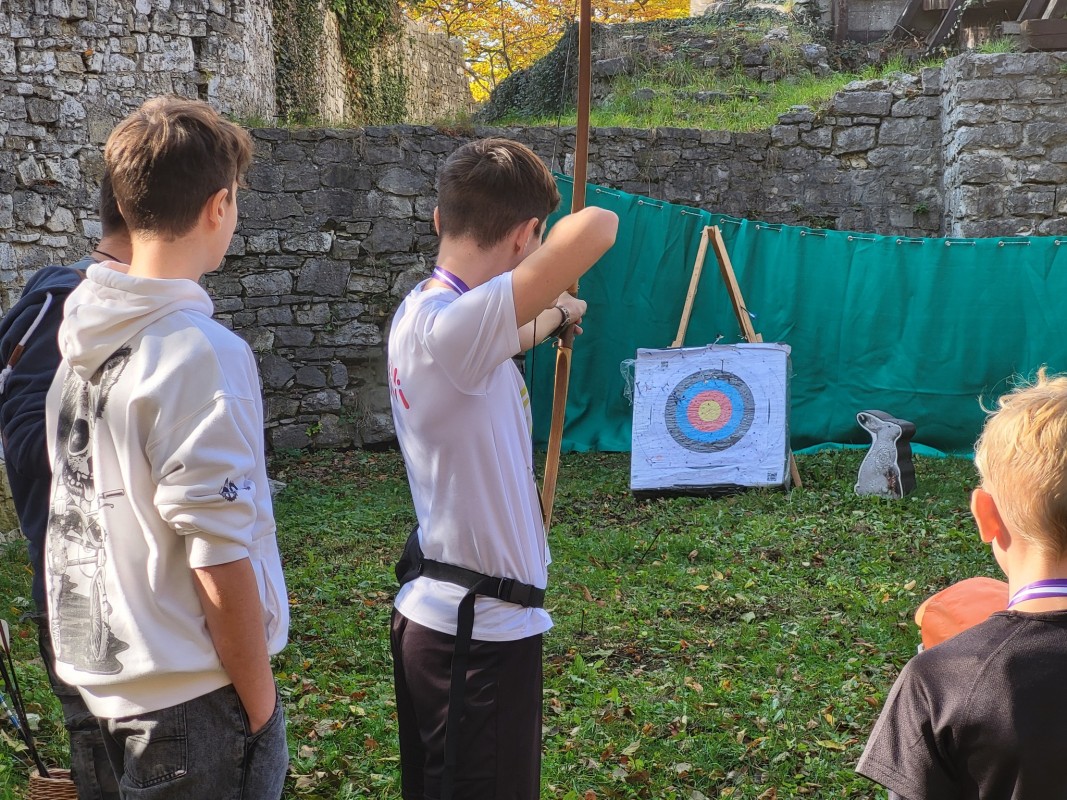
(467, 626)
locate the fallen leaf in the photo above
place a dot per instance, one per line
(641, 776)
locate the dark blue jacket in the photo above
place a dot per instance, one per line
(22, 404)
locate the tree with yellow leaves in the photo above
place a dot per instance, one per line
(501, 36)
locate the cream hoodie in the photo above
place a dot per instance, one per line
(155, 435)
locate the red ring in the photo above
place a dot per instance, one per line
(709, 426)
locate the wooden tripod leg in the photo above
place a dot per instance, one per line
(702, 252)
(726, 268)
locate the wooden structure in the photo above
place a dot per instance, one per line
(940, 23)
(1043, 34)
(712, 234)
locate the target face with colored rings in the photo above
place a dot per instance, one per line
(709, 411)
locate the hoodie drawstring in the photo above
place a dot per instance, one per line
(16, 354)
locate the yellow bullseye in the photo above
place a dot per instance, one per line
(709, 411)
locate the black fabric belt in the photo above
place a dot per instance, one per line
(413, 565)
(507, 589)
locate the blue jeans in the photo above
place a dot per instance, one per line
(90, 767)
(198, 749)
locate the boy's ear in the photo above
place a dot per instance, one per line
(990, 524)
(215, 207)
(524, 232)
(436, 220)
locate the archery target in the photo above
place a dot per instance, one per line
(709, 411)
(710, 418)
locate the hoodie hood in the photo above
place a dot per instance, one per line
(109, 308)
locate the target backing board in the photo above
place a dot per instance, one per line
(710, 419)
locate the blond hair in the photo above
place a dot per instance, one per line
(1021, 457)
(167, 158)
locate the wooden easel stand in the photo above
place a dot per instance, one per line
(714, 235)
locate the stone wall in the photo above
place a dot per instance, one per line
(1005, 145)
(435, 74)
(9, 520)
(334, 85)
(337, 224)
(71, 69)
(431, 64)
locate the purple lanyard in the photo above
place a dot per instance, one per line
(453, 282)
(1052, 587)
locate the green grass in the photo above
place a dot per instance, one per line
(736, 647)
(752, 104)
(1004, 44)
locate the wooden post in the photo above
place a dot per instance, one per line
(840, 15)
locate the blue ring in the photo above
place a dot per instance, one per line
(676, 417)
(681, 411)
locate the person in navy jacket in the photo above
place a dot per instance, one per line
(29, 351)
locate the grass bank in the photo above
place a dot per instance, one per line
(738, 647)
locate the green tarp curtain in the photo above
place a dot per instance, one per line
(921, 328)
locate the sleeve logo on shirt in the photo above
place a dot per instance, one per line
(229, 490)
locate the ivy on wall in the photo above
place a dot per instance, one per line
(370, 33)
(370, 44)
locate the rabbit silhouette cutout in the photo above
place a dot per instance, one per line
(887, 469)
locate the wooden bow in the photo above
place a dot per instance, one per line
(566, 341)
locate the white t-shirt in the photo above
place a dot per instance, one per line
(462, 416)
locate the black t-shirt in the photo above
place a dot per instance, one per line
(982, 715)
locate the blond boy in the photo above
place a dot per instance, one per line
(982, 714)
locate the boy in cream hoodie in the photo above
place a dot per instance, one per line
(164, 581)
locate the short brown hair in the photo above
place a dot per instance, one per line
(489, 186)
(167, 158)
(111, 220)
(1021, 457)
